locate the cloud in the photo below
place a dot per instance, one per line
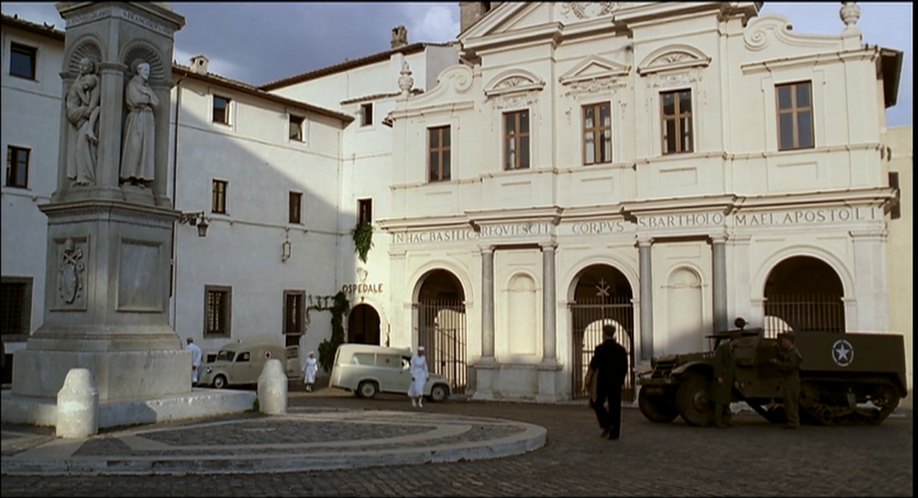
(432, 23)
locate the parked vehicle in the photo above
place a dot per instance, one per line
(242, 363)
(365, 370)
(854, 378)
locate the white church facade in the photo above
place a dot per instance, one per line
(662, 167)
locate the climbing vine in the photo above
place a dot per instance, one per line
(363, 239)
(329, 347)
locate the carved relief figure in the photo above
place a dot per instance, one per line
(137, 154)
(83, 113)
(69, 272)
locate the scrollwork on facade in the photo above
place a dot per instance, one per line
(594, 86)
(70, 273)
(515, 101)
(588, 10)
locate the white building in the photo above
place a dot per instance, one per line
(665, 167)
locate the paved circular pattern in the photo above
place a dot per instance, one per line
(304, 439)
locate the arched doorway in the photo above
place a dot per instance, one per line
(803, 294)
(363, 325)
(602, 295)
(441, 326)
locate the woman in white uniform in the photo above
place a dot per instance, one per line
(419, 376)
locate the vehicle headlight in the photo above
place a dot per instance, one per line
(208, 370)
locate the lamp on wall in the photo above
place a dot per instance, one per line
(195, 219)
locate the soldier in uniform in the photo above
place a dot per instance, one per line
(788, 361)
(724, 376)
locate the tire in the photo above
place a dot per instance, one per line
(693, 401)
(658, 408)
(439, 393)
(366, 389)
(219, 382)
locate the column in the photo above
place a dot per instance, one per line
(719, 254)
(549, 303)
(112, 104)
(487, 302)
(646, 269)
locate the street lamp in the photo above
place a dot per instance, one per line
(195, 219)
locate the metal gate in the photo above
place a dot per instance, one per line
(441, 330)
(803, 313)
(588, 317)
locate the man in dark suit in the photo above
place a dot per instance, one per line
(610, 361)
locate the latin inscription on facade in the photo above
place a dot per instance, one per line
(806, 216)
(124, 14)
(649, 222)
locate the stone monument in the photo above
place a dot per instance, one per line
(110, 221)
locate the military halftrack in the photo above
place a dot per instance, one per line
(846, 378)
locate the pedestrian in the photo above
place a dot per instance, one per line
(196, 356)
(724, 378)
(610, 362)
(788, 360)
(419, 376)
(310, 367)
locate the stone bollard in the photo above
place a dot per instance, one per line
(272, 388)
(78, 405)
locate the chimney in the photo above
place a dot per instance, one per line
(399, 36)
(199, 64)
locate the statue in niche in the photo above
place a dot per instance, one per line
(69, 272)
(137, 166)
(82, 104)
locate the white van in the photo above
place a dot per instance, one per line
(365, 370)
(241, 364)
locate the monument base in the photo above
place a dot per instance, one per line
(198, 403)
(118, 375)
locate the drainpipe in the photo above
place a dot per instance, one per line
(175, 135)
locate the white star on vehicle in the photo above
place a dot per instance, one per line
(842, 352)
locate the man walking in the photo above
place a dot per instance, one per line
(788, 362)
(610, 362)
(196, 356)
(724, 377)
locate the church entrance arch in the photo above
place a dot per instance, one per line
(441, 326)
(363, 325)
(803, 293)
(602, 296)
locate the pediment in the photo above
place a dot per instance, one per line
(594, 68)
(513, 81)
(673, 58)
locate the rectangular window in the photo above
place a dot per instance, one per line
(296, 128)
(366, 114)
(364, 211)
(597, 133)
(217, 311)
(22, 61)
(295, 206)
(294, 312)
(516, 140)
(17, 167)
(795, 116)
(221, 109)
(676, 116)
(218, 199)
(15, 306)
(438, 143)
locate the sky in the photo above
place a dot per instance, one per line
(257, 43)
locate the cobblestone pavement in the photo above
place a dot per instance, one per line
(753, 458)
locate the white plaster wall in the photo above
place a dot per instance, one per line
(31, 114)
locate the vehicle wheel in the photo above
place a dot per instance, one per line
(658, 408)
(219, 382)
(886, 399)
(693, 401)
(439, 393)
(366, 389)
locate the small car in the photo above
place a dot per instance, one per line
(241, 364)
(366, 369)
